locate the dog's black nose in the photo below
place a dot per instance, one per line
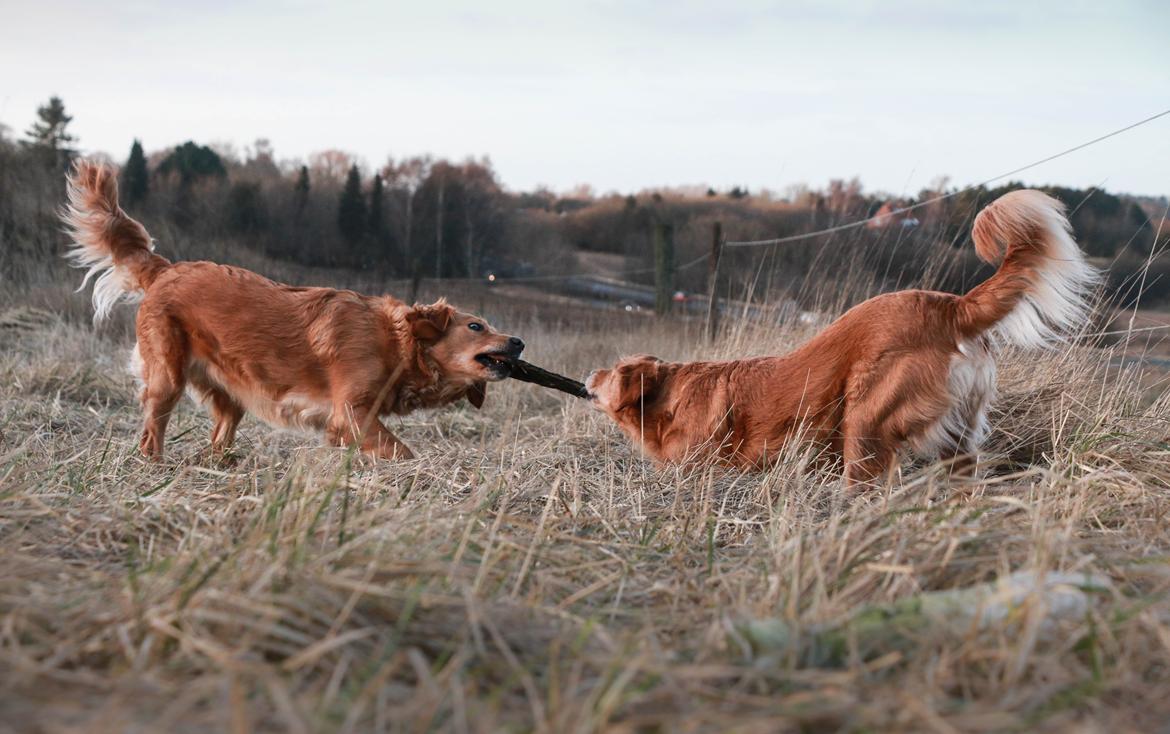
(516, 343)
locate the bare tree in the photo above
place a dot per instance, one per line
(330, 165)
(481, 209)
(407, 176)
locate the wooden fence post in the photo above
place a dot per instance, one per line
(439, 234)
(713, 281)
(663, 267)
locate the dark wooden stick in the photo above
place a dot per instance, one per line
(526, 372)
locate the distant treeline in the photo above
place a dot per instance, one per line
(431, 218)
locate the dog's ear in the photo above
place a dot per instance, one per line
(476, 393)
(641, 378)
(427, 323)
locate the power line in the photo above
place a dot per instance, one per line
(863, 222)
(829, 230)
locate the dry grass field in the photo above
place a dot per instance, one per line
(529, 572)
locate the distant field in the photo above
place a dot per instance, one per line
(529, 572)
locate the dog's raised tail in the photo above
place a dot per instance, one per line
(107, 243)
(1041, 293)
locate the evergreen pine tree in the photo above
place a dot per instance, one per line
(377, 223)
(48, 132)
(351, 208)
(135, 178)
(301, 191)
(191, 162)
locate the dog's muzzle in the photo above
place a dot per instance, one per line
(589, 385)
(499, 361)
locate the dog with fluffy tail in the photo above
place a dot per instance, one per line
(912, 368)
(315, 358)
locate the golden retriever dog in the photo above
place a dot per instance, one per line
(912, 368)
(314, 358)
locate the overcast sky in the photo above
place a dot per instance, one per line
(622, 95)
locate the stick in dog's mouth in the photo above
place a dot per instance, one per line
(526, 372)
(499, 363)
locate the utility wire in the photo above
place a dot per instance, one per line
(863, 222)
(828, 230)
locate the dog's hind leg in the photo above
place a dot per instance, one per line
(956, 434)
(867, 460)
(225, 410)
(227, 414)
(163, 352)
(869, 454)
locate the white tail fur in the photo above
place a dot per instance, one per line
(1057, 301)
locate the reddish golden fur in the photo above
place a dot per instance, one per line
(912, 367)
(318, 358)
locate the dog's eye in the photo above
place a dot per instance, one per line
(475, 326)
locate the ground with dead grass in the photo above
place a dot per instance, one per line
(530, 572)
